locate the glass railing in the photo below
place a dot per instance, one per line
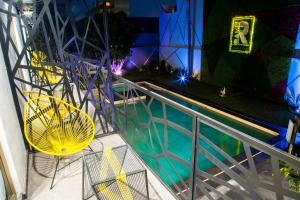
(197, 156)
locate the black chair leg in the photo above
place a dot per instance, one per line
(51, 187)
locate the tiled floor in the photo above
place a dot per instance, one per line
(68, 183)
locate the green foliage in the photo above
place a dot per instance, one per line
(292, 176)
(122, 34)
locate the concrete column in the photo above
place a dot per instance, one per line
(11, 140)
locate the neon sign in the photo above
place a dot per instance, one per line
(241, 35)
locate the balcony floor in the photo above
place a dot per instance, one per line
(68, 183)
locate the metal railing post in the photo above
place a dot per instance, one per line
(195, 158)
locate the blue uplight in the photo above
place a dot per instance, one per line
(182, 78)
(297, 110)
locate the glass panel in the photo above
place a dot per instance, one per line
(166, 146)
(179, 117)
(179, 144)
(216, 170)
(227, 165)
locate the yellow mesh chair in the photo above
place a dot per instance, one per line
(54, 127)
(109, 159)
(44, 101)
(38, 57)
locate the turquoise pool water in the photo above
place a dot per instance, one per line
(151, 142)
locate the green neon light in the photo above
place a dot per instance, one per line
(241, 34)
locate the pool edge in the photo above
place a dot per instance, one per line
(213, 109)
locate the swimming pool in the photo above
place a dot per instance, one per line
(142, 125)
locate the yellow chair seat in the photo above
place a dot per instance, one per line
(55, 127)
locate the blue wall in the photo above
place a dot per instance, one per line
(173, 32)
(144, 50)
(292, 95)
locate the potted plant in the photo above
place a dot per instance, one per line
(292, 176)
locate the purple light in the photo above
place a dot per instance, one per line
(116, 67)
(118, 72)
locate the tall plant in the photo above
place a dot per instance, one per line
(122, 34)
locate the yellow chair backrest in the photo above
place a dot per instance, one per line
(54, 127)
(37, 59)
(43, 102)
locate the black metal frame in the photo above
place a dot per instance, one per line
(48, 23)
(69, 63)
(86, 170)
